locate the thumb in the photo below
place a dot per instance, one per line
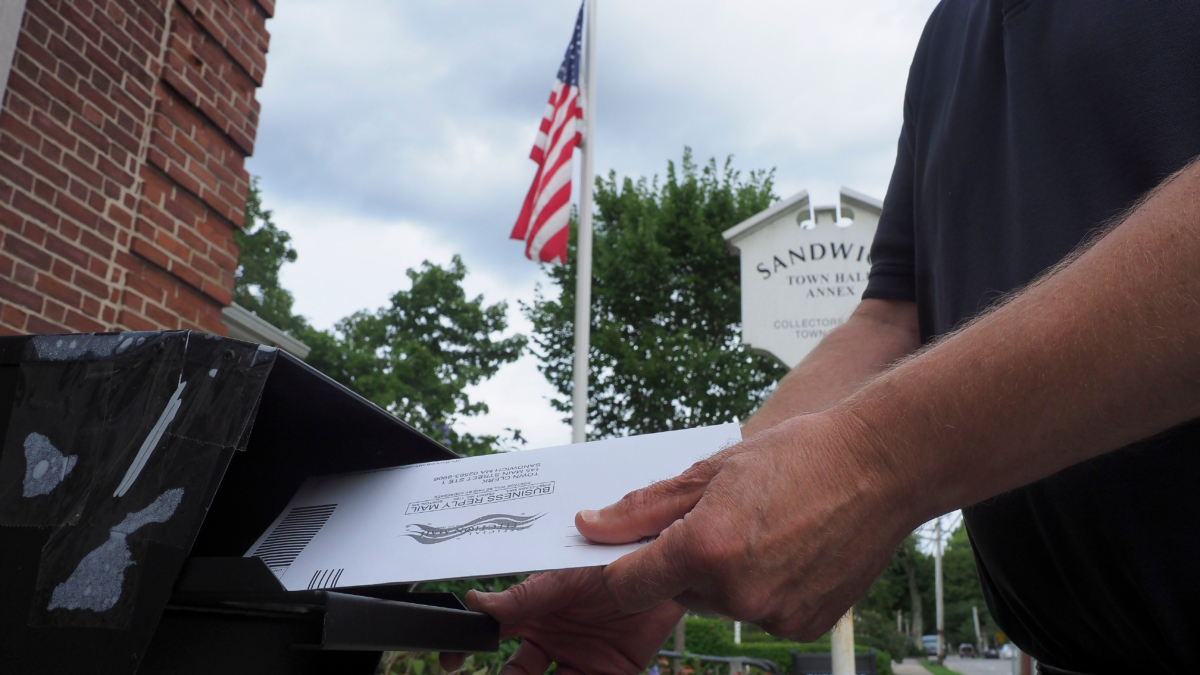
(649, 511)
(658, 571)
(537, 596)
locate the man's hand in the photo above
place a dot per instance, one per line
(569, 618)
(785, 530)
(878, 333)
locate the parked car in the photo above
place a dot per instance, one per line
(1008, 652)
(929, 642)
(990, 653)
(966, 650)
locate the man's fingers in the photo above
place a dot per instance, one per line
(657, 571)
(539, 595)
(649, 511)
(529, 659)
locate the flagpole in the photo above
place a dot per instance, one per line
(583, 267)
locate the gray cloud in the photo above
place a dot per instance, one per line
(425, 112)
(398, 130)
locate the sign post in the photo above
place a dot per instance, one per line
(803, 271)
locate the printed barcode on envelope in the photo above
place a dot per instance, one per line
(294, 532)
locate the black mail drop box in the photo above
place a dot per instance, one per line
(136, 471)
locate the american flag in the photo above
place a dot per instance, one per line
(543, 223)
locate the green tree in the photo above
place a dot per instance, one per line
(263, 250)
(892, 592)
(416, 357)
(962, 591)
(666, 350)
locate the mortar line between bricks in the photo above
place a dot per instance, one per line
(204, 119)
(217, 42)
(49, 230)
(139, 183)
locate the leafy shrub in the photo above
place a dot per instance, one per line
(760, 637)
(711, 637)
(873, 629)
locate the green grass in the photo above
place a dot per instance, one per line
(936, 669)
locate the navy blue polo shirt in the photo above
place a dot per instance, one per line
(1027, 125)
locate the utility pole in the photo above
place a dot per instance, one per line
(940, 601)
(899, 620)
(978, 633)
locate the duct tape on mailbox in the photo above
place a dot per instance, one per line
(114, 441)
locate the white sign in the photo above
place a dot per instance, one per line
(474, 517)
(803, 271)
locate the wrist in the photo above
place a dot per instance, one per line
(876, 463)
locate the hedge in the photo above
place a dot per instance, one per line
(711, 637)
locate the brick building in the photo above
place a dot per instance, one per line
(123, 132)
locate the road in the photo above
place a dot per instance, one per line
(964, 666)
(979, 666)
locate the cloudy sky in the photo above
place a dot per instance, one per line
(397, 131)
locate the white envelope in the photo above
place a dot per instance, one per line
(474, 517)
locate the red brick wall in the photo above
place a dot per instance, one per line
(123, 132)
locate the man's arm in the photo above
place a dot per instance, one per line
(790, 527)
(1103, 352)
(877, 334)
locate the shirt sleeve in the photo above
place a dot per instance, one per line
(893, 257)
